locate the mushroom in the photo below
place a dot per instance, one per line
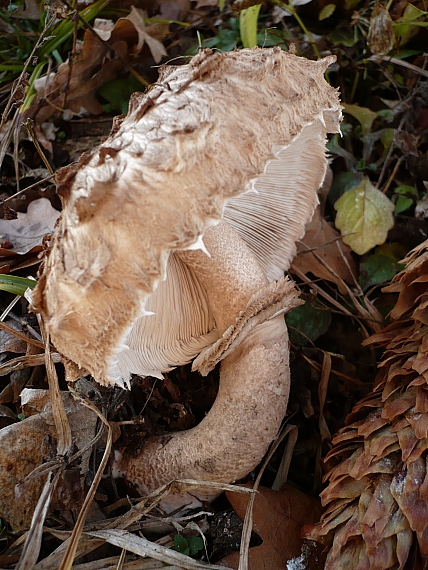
(172, 246)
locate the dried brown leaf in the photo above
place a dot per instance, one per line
(322, 253)
(104, 53)
(24, 447)
(381, 34)
(10, 342)
(28, 231)
(136, 17)
(278, 518)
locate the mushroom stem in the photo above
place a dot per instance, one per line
(254, 378)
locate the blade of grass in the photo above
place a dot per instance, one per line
(60, 34)
(16, 285)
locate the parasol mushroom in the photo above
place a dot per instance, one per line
(173, 241)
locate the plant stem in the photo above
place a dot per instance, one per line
(21, 78)
(29, 126)
(305, 30)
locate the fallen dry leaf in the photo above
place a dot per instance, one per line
(28, 444)
(278, 517)
(323, 253)
(10, 342)
(156, 47)
(28, 230)
(73, 91)
(176, 10)
(103, 55)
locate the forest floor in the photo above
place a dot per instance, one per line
(375, 204)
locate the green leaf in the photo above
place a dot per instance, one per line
(326, 12)
(11, 67)
(401, 198)
(363, 115)
(118, 91)
(16, 285)
(181, 544)
(402, 204)
(269, 37)
(351, 4)
(361, 165)
(309, 321)
(195, 544)
(408, 25)
(386, 114)
(343, 37)
(403, 190)
(248, 26)
(411, 14)
(342, 182)
(377, 269)
(221, 4)
(364, 217)
(334, 147)
(387, 138)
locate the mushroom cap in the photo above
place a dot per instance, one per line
(239, 135)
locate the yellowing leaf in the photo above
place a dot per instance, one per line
(408, 25)
(363, 115)
(326, 12)
(364, 217)
(248, 26)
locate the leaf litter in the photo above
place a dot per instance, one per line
(26, 233)
(344, 301)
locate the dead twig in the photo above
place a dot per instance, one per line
(322, 393)
(20, 335)
(26, 362)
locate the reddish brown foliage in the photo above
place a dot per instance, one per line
(377, 494)
(277, 518)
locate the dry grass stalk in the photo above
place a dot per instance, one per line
(143, 547)
(22, 362)
(69, 555)
(31, 549)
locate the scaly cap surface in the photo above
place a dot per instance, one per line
(204, 136)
